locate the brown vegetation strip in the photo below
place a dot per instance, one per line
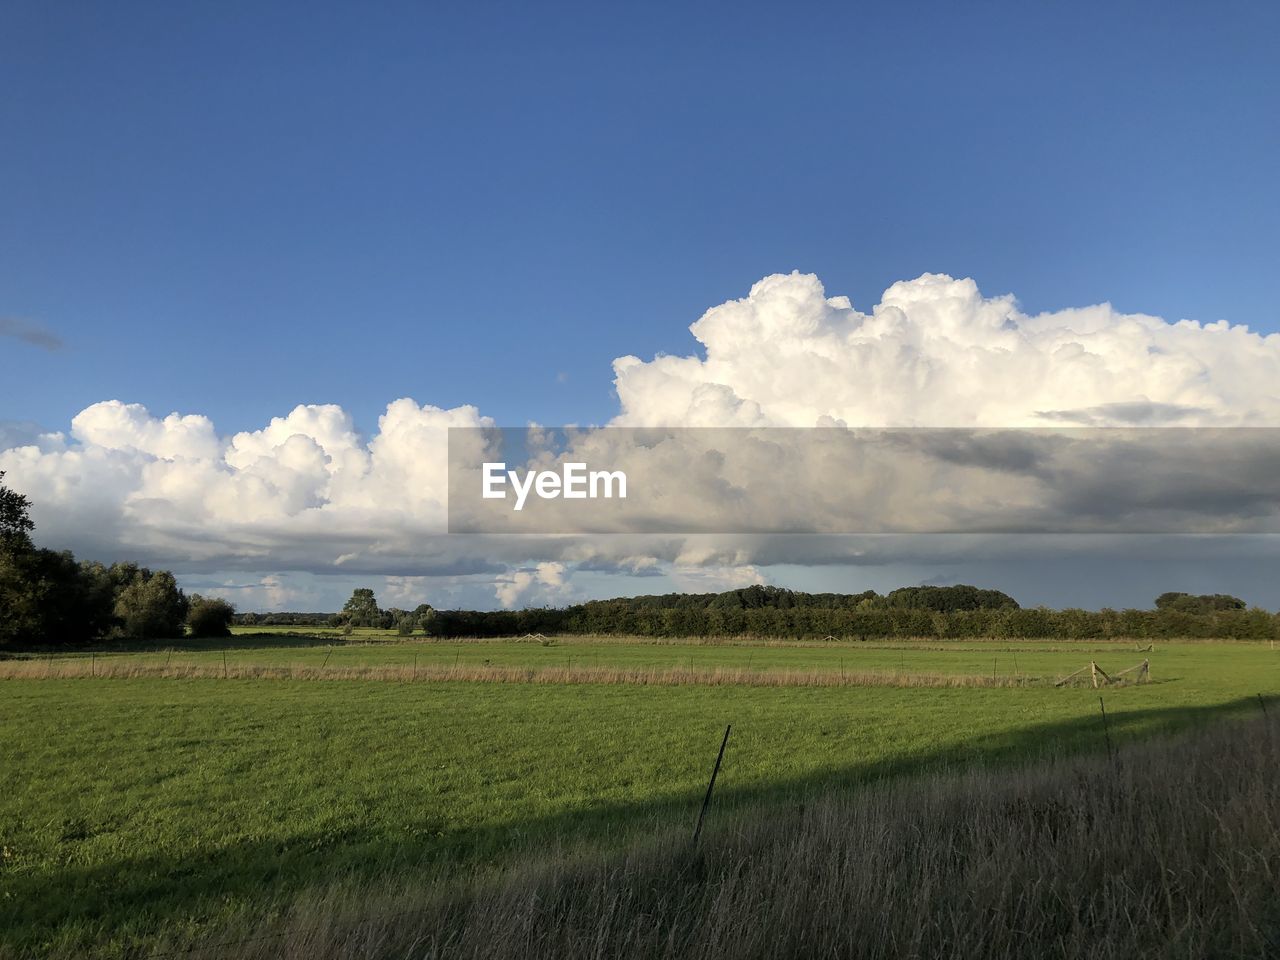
(652, 676)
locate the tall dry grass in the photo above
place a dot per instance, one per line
(1171, 850)
(79, 668)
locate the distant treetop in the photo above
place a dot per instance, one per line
(1198, 603)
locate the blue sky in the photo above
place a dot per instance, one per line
(232, 209)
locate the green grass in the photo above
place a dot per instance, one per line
(128, 806)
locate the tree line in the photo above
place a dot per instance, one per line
(361, 610)
(950, 612)
(618, 618)
(48, 597)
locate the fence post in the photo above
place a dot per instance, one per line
(706, 801)
(224, 664)
(1093, 672)
(1106, 729)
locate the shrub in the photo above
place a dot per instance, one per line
(151, 606)
(209, 616)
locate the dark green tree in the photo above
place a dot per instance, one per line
(209, 616)
(46, 597)
(15, 520)
(949, 599)
(362, 609)
(424, 617)
(151, 606)
(1202, 603)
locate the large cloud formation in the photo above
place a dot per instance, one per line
(305, 485)
(934, 352)
(307, 492)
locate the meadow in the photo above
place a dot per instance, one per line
(139, 811)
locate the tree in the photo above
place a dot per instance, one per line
(209, 616)
(362, 609)
(424, 615)
(151, 606)
(15, 522)
(1177, 602)
(949, 599)
(45, 596)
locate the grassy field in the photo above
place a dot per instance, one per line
(132, 806)
(1164, 848)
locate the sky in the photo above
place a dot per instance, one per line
(228, 211)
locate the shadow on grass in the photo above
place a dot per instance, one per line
(127, 900)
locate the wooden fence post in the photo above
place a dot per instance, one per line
(1106, 729)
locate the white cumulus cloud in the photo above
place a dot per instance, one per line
(936, 352)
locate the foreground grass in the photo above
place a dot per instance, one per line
(1170, 850)
(132, 809)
